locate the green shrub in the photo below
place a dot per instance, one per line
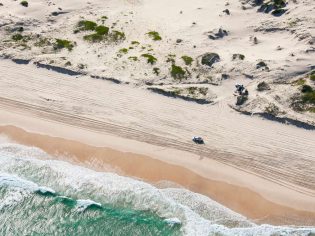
(85, 25)
(123, 50)
(309, 97)
(150, 59)
(62, 43)
(312, 76)
(24, 3)
(154, 35)
(188, 60)
(101, 30)
(93, 37)
(177, 72)
(17, 37)
(306, 89)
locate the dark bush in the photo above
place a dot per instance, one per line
(309, 97)
(306, 89)
(261, 64)
(24, 3)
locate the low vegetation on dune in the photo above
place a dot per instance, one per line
(177, 72)
(63, 43)
(305, 101)
(86, 25)
(154, 35)
(17, 37)
(24, 3)
(100, 32)
(187, 60)
(150, 58)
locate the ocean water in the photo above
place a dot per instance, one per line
(39, 196)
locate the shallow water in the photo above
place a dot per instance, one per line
(46, 197)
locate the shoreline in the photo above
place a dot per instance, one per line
(240, 191)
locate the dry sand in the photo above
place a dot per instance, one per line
(262, 169)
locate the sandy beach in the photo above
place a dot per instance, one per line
(221, 169)
(100, 101)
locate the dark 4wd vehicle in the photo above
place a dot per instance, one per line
(198, 140)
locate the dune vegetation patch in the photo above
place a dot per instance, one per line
(187, 60)
(63, 43)
(24, 3)
(154, 35)
(100, 32)
(17, 37)
(304, 101)
(150, 58)
(177, 72)
(123, 50)
(86, 25)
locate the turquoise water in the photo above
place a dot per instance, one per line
(50, 214)
(39, 196)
